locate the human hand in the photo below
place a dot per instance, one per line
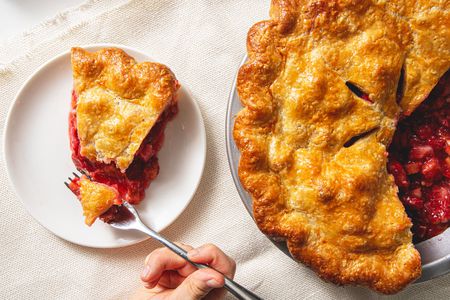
(168, 276)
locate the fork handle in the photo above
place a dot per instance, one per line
(233, 287)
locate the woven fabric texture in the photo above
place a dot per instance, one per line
(203, 42)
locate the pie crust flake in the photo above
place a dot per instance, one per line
(96, 199)
(322, 91)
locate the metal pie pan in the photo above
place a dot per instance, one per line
(435, 252)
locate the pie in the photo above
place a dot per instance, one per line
(324, 86)
(120, 109)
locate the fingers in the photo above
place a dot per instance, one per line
(170, 279)
(167, 271)
(198, 284)
(214, 257)
(161, 260)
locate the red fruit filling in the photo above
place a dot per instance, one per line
(130, 185)
(419, 161)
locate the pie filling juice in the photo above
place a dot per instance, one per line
(420, 163)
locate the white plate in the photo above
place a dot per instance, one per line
(38, 158)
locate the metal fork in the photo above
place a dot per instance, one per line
(133, 222)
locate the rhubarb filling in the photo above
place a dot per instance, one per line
(131, 184)
(419, 161)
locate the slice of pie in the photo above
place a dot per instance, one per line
(120, 109)
(322, 91)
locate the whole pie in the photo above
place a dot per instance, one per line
(120, 109)
(323, 89)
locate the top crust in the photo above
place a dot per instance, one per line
(312, 182)
(428, 54)
(119, 101)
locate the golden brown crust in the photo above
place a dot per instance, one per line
(312, 182)
(96, 199)
(428, 55)
(119, 101)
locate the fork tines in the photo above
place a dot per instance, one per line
(70, 180)
(68, 186)
(84, 173)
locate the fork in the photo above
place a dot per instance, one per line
(133, 222)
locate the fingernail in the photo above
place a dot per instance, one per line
(212, 283)
(193, 253)
(146, 271)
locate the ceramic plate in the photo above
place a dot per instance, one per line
(38, 158)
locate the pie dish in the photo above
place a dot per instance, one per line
(323, 89)
(120, 109)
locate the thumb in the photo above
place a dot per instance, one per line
(198, 284)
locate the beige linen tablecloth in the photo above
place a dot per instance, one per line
(203, 43)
